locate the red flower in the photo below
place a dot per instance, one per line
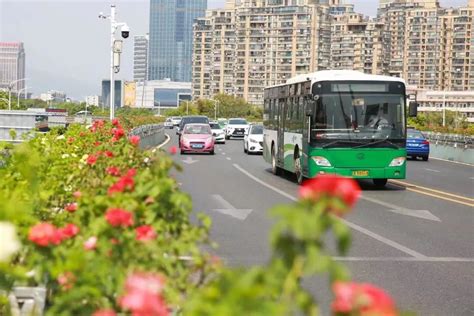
(134, 140)
(145, 233)
(361, 299)
(346, 189)
(91, 160)
(77, 194)
(44, 234)
(115, 122)
(118, 133)
(108, 153)
(113, 171)
(66, 280)
(70, 140)
(104, 312)
(71, 207)
(126, 182)
(143, 295)
(97, 143)
(131, 172)
(119, 217)
(91, 243)
(82, 134)
(69, 231)
(173, 150)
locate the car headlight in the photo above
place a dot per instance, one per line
(321, 161)
(209, 139)
(252, 140)
(397, 162)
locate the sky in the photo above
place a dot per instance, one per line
(67, 45)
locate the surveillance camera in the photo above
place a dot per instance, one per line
(125, 31)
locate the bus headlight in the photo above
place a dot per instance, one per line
(397, 162)
(321, 161)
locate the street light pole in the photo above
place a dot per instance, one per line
(10, 87)
(18, 97)
(112, 80)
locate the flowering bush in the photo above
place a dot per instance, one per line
(94, 214)
(103, 227)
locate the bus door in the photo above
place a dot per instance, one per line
(305, 104)
(281, 131)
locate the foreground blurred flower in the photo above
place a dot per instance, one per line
(77, 194)
(126, 182)
(118, 133)
(69, 231)
(9, 244)
(71, 207)
(346, 189)
(145, 233)
(44, 234)
(66, 280)
(91, 243)
(91, 160)
(134, 140)
(173, 150)
(361, 299)
(115, 122)
(119, 217)
(104, 312)
(143, 295)
(113, 171)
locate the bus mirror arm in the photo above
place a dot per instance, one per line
(413, 109)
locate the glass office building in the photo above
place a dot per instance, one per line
(171, 38)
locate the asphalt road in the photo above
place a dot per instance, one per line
(414, 238)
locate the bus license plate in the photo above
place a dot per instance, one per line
(360, 173)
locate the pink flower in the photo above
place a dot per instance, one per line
(126, 182)
(44, 234)
(115, 122)
(361, 299)
(346, 189)
(77, 194)
(145, 233)
(71, 207)
(69, 231)
(91, 160)
(173, 150)
(91, 243)
(104, 312)
(66, 280)
(119, 217)
(108, 153)
(134, 140)
(131, 172)
(113, 171)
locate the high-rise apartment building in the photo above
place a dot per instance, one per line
(140, 57)
(252, 44)
(359, 43)
(171, 38)
(12, 66)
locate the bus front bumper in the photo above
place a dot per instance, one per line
(364, 173)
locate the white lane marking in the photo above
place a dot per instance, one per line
(405, 259)
(168, 138)
(456, 162)
(360, 229)
(472, 178)
(432, 170)
(224, 154)
(425, 214)
(219, 149)
(228, 158)
(229, 209)
(189, 161)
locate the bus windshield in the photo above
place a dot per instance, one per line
(358, 116)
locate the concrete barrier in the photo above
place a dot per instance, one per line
(150, 135)
(452, 147)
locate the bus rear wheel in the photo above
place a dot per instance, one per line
(380, 183)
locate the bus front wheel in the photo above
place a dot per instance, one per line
(275, 169)
(298, 171)
(380, 183)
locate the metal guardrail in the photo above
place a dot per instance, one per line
(456, 141)
(150, 135)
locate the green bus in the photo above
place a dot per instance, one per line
(337, 122)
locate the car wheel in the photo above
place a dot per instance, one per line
(425, 158)
(245, 149)
(380, 183)
(211, 152)
(227, 137)
(182, 152)
(298, 170)
(275, 169)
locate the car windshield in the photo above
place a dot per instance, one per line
(238, 122)
(197, 129)
(215, 126)
(257, 130)
(196, 119)
(415, 134)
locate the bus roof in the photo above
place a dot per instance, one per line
(337, 75)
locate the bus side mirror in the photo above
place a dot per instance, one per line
(413, 109)
(309, 112)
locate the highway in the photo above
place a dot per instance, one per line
(414, 238)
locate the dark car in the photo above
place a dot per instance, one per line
(417, 145)
(195, 119)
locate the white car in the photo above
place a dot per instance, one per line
(169, 123)
(217, 132)
(176, 120)
(253, 140)
(236, 127)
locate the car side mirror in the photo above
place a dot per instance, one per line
(413, 109)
